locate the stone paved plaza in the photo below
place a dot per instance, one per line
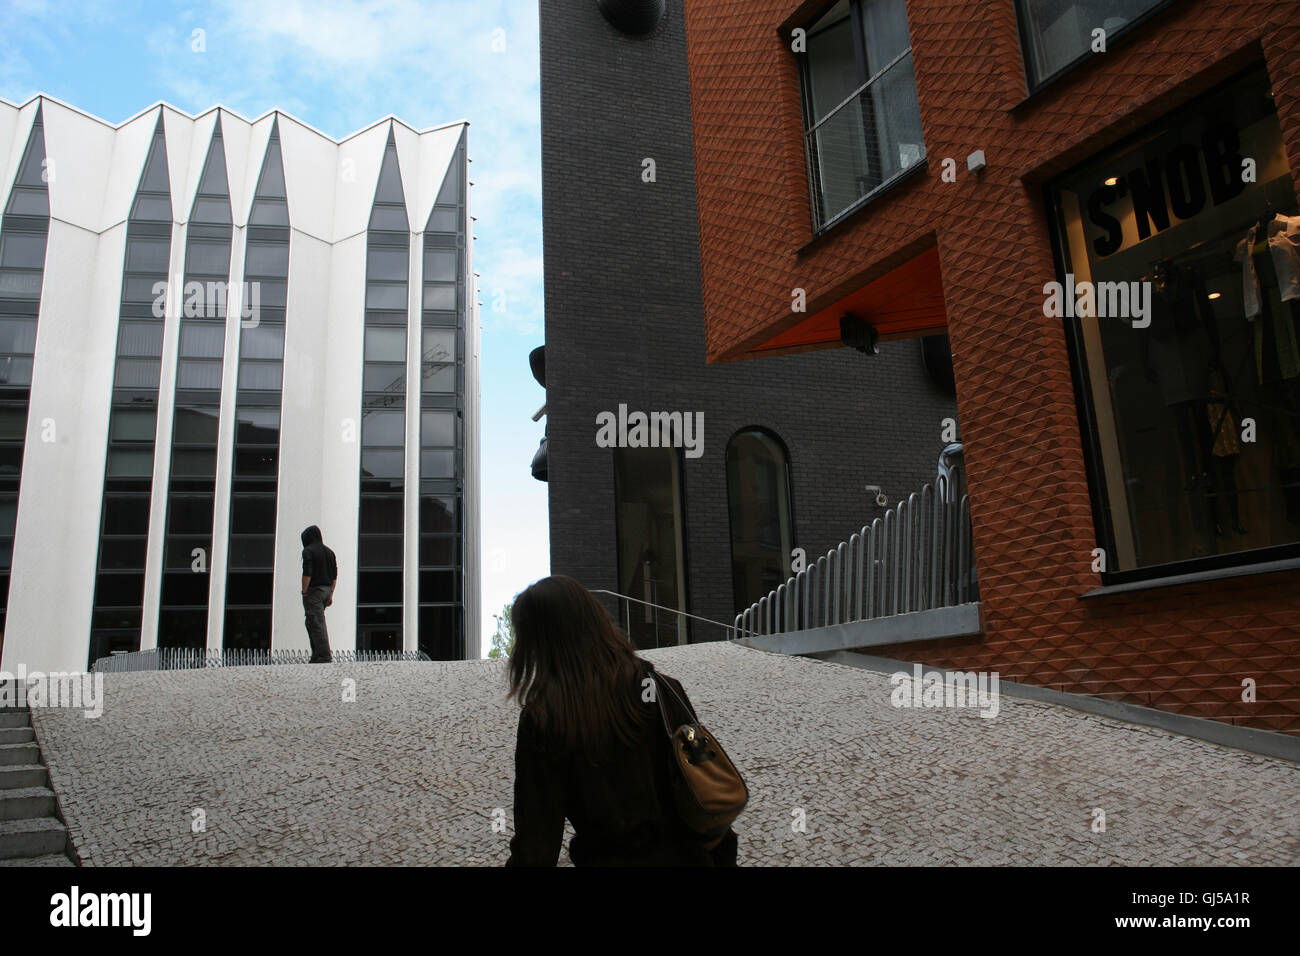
(286, 772)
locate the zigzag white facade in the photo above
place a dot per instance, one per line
(93, 172)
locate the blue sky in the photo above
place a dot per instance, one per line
(340, 65)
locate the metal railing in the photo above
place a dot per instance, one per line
(625, 612)
(916, 557)
(190, 658)
(868, 140)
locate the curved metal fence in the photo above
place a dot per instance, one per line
(916, 557)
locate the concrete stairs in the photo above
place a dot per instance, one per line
(31, 833)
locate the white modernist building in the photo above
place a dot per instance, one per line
(213, 334)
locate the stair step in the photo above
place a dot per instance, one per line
(49, 859)
(17, 735)
(11, 754)
(9, 718)
(22, 775)
(26, 803)
(29, 838)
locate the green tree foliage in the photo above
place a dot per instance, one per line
(503, 641)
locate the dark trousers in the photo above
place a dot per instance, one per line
(313, 605)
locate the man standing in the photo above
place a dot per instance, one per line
(320, 572)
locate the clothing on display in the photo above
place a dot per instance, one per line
(1284, 244)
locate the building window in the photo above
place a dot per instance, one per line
(651, 559)
(862, 120)
(1181, 284)
(1058, 34)
(758, 498)
(383, 416)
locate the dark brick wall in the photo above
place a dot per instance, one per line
(624, 323)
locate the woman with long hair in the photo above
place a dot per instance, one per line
(591, 746)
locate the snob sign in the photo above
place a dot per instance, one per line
(1180, 182)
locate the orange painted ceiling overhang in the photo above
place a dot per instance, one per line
(905, 302)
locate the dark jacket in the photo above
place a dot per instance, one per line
(621, 810)
(318, 561)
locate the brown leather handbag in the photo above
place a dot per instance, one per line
(707, 788)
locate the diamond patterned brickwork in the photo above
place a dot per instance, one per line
(1184, 649)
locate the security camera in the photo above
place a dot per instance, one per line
(881, 500)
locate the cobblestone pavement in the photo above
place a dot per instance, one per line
(285, 772)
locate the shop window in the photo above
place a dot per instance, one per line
(1058, 34)
(758, 499)
(651, 559)
(862, 119)
(1181, 286)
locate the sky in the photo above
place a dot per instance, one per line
(340, 65)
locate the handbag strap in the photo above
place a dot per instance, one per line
(663, 710)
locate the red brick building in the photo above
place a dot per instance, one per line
(1132, 142)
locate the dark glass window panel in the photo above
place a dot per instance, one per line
(439, 379)
(648, 502)
(437, 586)
(382, 464)
(441, 265)
(262, 342)
(148, 255)
(385, 635)
(137, 373)
(17, 336)
(211, 211)
(155, 178)
(450, 193)
(32, 171)
(132, 424)
(194, 463)
(198, 374)
(18, 251)
(178, 627)
(272, 293)
(207, 258)
(122, 553)
(189, 514)
(269, 213)
(444, 220)
(196, 427)
(126, 514)
(389, 218)
(119, 589)
(437, 428)
(439, 346)
(1057, 32)
(385, 345)
(257, 426)
(13, 422)
(381, 515)
(130, 462)
(271, 183)
(387, 264)
(152, 208)
(386, 296)
(202, 340)
(389, 189)
(439, 296)
(183, 588)
(439, 550)
(437, 514)
(437, 464)
(6, 559)
(758, 497)
(252, 552)
(380, 551)
(267, 258)
(11, 459)
(384, 378)
(383, 428)
(256, 462)
(441, 633)
(148, 289)
(261, 376)
(20, 285)
(252, 514)
(8, 516)
(248, 588)
(120, 618)
(379, 587)
(142, 339)
(214, 181)
(178, 553)
(29, 202)
(248, 628)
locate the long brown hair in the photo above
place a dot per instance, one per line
(572, 670)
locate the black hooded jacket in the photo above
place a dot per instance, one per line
(318, 562)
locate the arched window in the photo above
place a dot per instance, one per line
(758, 499)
